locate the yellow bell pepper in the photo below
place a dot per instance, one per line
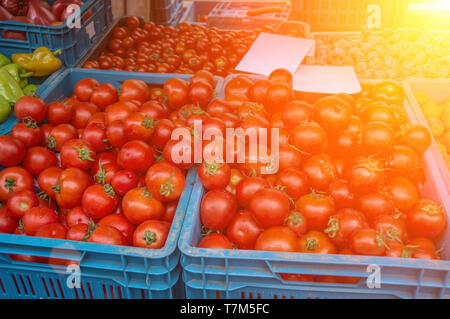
(41, 62)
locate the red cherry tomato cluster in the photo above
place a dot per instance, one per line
(165, 49)
(98, 163)
(348, 178)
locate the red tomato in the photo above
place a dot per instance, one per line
(277, 96)
(121, 224)
(55, 231)
(84, 89)
(124, 181)
(248, 187)
(217, 209)
(99, 201)
(38, 159)
(332, 113)
(321, 171)
(297, 222)
(215, 241)
(368, 242)
(70, 188)
(106, 235)
(59, 113)
(342, 194)
(343, 225)
(317, 209)
(427, 219)
(76, 216)
(316, 242)
(12, 151)
(139, 205)
(82, 113)
(78, 154)
(243, 230)
(59, 135)
(7, 223)
(281, 76)
(48, 180)
(105, 95)
(134, 90)
(151, 234)
(139, 126)
(20, 203)
(269, 207)
(374, 204)
(95, 135)
(115, 133)
(37, 217)
(296, 112)
(14, 180)
(177, 91)
(214, 175)
(28, 132)
(165, 181)
(308, 137)
(135, 156)
(30, 107)
(277, 238)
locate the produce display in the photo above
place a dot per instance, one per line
(348, 179)
(437, 114)
(165, 49)
(388, 53)
(38, 12)
(97, 160)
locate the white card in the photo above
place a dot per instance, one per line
(271, 51)
(326, 79)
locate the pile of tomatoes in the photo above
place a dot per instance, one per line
(164, 49)
(90, 167)
(348, 179)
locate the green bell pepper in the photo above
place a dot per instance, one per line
(9, 88)
(30, 89)
(18, 73)
(5, 109)
(4, 60)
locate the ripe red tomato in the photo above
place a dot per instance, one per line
(59, 135)
(215, 241)
(321, 171)
(177, 92)
(78, 154)
(277, 238)
(134, 90)
(37, 217)
(38, 159)
(119, 111)
(82, 113)
(247, 187)
(243, 230)
(316, 242)
(296, 112)
(373, 205)
(426, 219)
(317, 209)
(12, 151)
(121, 224)
(20, 203)
(95, 135)
(115, 133)
(269, 207)
(14, 180)
(28, 132)
(77, 216)
(297, 222)
(7, 223)
(78, 232)
(59, 113)
(139, 126)
(124, 181)
(308, 137)
(344, 224)
(136, 156)
(99, 201)
(377, 138)
(30, 107)
(151, 234)
(332, 113)
(139, 205)
(277, 96)
(106, 235)
(55, 231)
(217, 209)
(214, 175)
(84, 89)
(105, 95)
(402, 192)
(366, 175)
(368, 242)
(71, 184)
(295, 181)
(165, 181)
(281, 76)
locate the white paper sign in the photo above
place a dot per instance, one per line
(271, 51)
(326, 79)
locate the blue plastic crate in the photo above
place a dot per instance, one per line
(74, 42)
(232, 15)
(245, 274)
(106, 271)
(163, 11)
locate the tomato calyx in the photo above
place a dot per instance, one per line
(101, 175)
(57, 188)
(30, 123)
(21, 228)
(311, 243)
(91, 227)
(431, 209)
(252, 174)
(44, 196)
(51, 142)
(295, 218)
(158, 158)
(408, 250)
(205, 231)
(149, 237)
(109, 190)
(380, 242)
(392, 234)
(149, 123)
(146, 193)
(211, 169)
(84, 153)
(333, 227)
(168, 187)
(10, 183)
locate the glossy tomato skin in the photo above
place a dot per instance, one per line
(247, 187)
(343, 224)
(277, 96)
(106, 94)
(151, 234)
(289, 157)
(373, 205)
(139, 205)
(20, 203)
(297, 222)
(28, 132)
(165, 181)
(38, 159)
(95, 135)
(82, 113)
(215, 241)
(48, 179)
(36, 218)
(14, 180)
(120, 223)
(321, 171)
(30, 107)
(367, 242)
(214, 175)
(426, 219)
(77, 154)
(106, 235)
(296, 112)
(342, 194)
(317, 209)
(217, 209)
(177, 92)
(72, 184)
(269, 207)
(59, 113)
(136, 156)
(84, 89)
(295, 181)
(402, 192)
(332, 113)
(162, 133)
(243, 230)
(308, 137)
(99, 201)
(59, 135)
(134, 90)
(12, 151)
(316, 242)
(76, 216)
(139, 126)
(124, 181)
(78, 232)
(7, 223)
(278, 239)
(55, 231)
